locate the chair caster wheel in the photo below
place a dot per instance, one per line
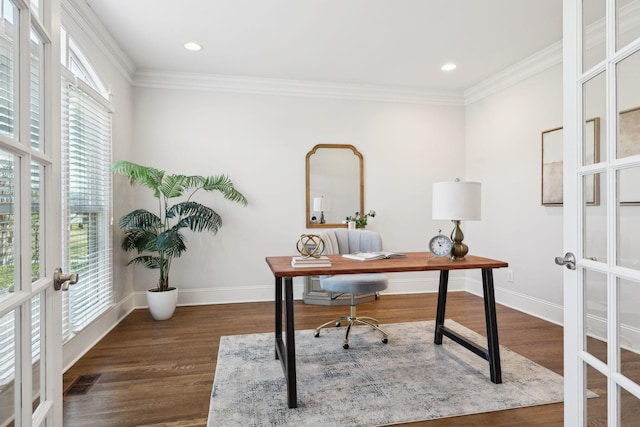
(345, 346)
(385, 340)
(337, 324)
(316, 334)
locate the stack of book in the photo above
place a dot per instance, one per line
(310, 262)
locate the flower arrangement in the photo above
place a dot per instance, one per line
(361, 221)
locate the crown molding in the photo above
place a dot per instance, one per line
(518, 72)
(87, 26)
(83, 19)
(282, 87)
(549, 57)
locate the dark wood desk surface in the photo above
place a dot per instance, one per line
(414, 261)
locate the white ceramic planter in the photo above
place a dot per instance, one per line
(162, 304)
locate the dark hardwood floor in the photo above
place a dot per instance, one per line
(161, 373)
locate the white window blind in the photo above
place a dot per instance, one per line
(86, 204)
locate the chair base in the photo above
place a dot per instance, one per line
(351, 320)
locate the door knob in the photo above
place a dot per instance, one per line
(62, 281)
(568, 261)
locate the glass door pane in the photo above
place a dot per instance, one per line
(628, 106)
(37, 101)
(628, 253)
(594, 99)
(8, 68)
(7, 368)
(37, 223)
(629, 409)
(596, 406)
(595, 311)
(593, 32)
(627, 13)
(37, 356)
(595, 217)
(8, 224)
(629, 329)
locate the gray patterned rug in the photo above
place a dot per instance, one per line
(370, 384)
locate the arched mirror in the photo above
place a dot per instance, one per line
(335, 184)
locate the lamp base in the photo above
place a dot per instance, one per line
(322, 217)
(459, 249)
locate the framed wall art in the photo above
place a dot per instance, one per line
(552, 167)
(552, 164)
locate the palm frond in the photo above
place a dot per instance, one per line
(139, 240)
(174, 186)
(197, 217)
(149, 261)
(140, 219)
(171, 242)
(223, 184)
(138, 174)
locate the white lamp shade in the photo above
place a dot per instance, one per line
(456, 200)
(320, 204)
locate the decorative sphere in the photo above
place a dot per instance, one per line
(310, 245)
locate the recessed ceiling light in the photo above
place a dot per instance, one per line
(193, 46)
(448, 67)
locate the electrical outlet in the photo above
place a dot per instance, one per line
(510, 276)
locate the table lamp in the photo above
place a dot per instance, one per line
(320, 204)
(457, 201)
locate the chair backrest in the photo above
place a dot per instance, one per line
(343, 241)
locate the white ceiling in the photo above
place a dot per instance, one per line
(400, 43)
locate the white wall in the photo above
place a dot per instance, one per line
(503, 151)
(261, 142)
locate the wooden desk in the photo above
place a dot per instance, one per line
(414, 261)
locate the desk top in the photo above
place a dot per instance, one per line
(414, 261)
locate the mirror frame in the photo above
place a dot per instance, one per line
(308, 182)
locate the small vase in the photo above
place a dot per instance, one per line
(162, 304)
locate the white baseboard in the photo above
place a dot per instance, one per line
(77, 346)
(629, 335)
(266, 293)
(536, 307)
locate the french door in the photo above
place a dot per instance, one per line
(30, 308)
(602, 211)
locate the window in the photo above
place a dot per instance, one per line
(86, 186)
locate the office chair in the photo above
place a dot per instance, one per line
(342, 241)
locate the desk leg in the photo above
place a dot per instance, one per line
(442, 303)
(286, 353)
(291, 345)
(492, 326)
(278, 308)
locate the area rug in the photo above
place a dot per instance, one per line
(371, 383)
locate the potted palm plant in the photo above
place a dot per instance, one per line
(157, 237)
